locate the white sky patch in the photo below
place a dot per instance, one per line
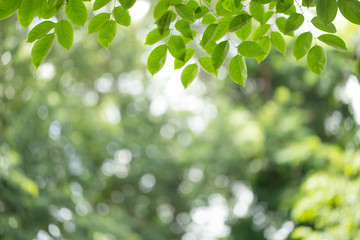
(244, 199)
(350, 94)
(139, 10)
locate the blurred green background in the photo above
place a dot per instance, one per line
(92, 147)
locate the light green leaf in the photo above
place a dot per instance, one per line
(185, 12)
(350, 9)
(284, 5)
(260, 31)
(200, 12)
(222, 28)
(99, 4)
(238, 70)
(183, 26)
(206, 64)
(316, 59)
(154, 36)
(189, 53)
(250, 49)
(8, 7)
(239, 22)
(189, 74)
(177, 47)
(107, 34)
(26, 12)
(265, 43)
(293, 22)
(208, 19)
(98, 22)
(126, 4)
(245, 32)
(219, 55)
(76, 12)
(302, 45)
(326, 10)
(262, 1)
(192, 4)
(257, 11)
(156, 59)
(41, 49)
(64, 33)
(164, 21)
(40, 30)
(221, 11)
(277, 40)
(333, 41)
(320, 25)
(208, 34)
(268, 15)
(121, 16)
(45, 9)
(161, 7)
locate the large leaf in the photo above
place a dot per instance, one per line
(41, 49)
(238, 70)
(156, 59)
(121, 16)
(189, 74)
(76, 12)
(302, 45)
(26, 12)
(154, 36)
(183, 26)
(293, 22)
(324, 27)
(107, 34)
(316, 59)
(98, 22)
(99, 4)
(177, 47)
(250, 49)
(239, 22)
(326, 10)
(333, 41)
(164, 21)
(278, 41)
(8, 7)
(219, 55)
(126, 4)
(40, 30)
(350, 9)
(64, 33)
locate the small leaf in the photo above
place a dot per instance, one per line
(293, 22)
(164, 22)
(320, 25)
(208, 34)
(99, 4)
(26, 13)
(177, 47)
(245, 32)
(156, 59)
(161, 7)
(277, 40)
(219, 55)
(64, 33)
(126, 4)
(76, 12)
(154, 36)
(40, 30)
(206, 64)
(107, 34)
(239, 22)
(98, 22)
(333, 41)
(350, 9)
(238, 70)
(302, 45)
(183, 26)
(189, 74)
(250, 49)
(8, 7)
(316, 59)
(189, 53)
(41, 49)
(185, 12)
(326, 10)
(260, 31)
(121, 16)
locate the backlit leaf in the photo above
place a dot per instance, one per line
(239, 22)
(184, 28)
(293, 22)
(40, 30)
(277, 40)
(320, 25)
(189, 74)
(126, 4)
(41, 49)
(64, 33)
(76, 12)
(189, 53)
(350, 9)
(26, 12)
(121, 16)
(99, 4)
(333, 41)
(107, 34)
(326, 10)
(8, 7)
(302, 45)
(238, 70)
(250, 49)
(219, 55)
(154, 36)
(156, 59)
(98, 22)
(177, 47)
(316, 59)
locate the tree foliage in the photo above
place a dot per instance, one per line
(249, 29)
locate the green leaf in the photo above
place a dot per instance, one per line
(76, 12)
(183, 26)
(64, 33)
(219, 55)
(239, 22)
(154, 36)
(222, 28)
(121, 16)
(333, 41)
(284, 5)
(316, 59)
(293, 22)
(126, 4)
(268, 15)
(302, 45)
(99, 4)
(200, 12)
(177, 47)
(164, 21)
(265, 43)
(41, 49)
(98, 22)
(40, 30)
(208, 19)
(206, 64)
(26, 12)
(161, 7)
(208, 34)
(350, 9)
(277, 40)
(221, 11)
(189, 74)
(320, 25)
(8, 7)
(326, 10)
(185, 12)
(260, 31)
(156, 59)
(45, 9)
(189, 53)
(257, 11)
(307, 3)
(193, 5)
(107, 34)
(250, 49)
(262, 1)
(210, 47)
(238, 70)
(245, 32)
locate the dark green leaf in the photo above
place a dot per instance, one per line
(320, 25)
(333, 41)
(284, 5)
(64, 33)
(326, 10)
(76, 12)
(222, 28)
(164, 22)
(177, 47)
(238, 70)
(219, 55)
(189, 74)
(302, 45)
(316, 59)
(293, 22)
(350, 9)
(40, 30)
(161, 7)
(239, 22)
(107, 34)
(41, 49)
(98, 22)
(156, 59)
